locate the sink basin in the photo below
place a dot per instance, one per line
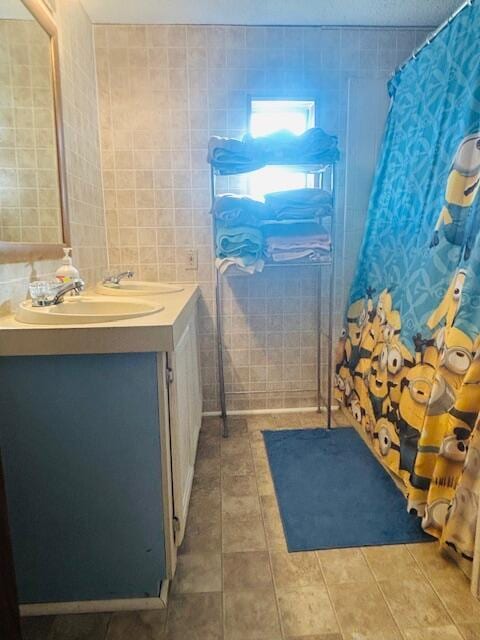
(85, 310)
(137, 288)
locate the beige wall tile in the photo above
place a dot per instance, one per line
(191, 83)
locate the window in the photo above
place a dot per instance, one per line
(266, 117)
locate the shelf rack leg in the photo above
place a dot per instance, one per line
(331, 303)
(221, 374)
(319, 340)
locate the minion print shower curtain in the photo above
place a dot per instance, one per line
(408, 364)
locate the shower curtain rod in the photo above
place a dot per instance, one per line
(432, 36)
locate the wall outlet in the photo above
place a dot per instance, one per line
(192, 259)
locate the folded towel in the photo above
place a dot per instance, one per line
(229, 156)
(301, 235)
(313, 255)
(237, 210)
(245, 243)
(314, 146)
(223, 264)
(299, 204)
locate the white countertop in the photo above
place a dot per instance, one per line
(154, 332)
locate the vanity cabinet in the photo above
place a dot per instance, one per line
(99, 451)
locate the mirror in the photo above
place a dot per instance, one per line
(33, 211)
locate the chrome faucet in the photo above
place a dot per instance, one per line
(46, 294)
(75, 286)
(114, 280)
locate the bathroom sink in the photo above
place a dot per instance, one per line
(137, 288)
(85, 310)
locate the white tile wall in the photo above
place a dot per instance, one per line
(164, 90)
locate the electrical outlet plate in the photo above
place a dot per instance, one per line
(192, 259)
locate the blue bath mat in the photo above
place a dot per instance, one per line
(333, 493)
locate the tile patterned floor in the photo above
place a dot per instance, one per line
(236, 581)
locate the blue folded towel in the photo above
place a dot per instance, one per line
(238, 210)
(229, 156)
(240, 242)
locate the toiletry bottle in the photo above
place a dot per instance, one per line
(67, 272)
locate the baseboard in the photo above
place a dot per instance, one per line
(97, 606)
(259, 412)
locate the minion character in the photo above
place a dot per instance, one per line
(356, 319)
(387, 443)
(378, 388)
(395, 358)
(448, 308)
(343, 384)
(416, 388)
(455, 356)
(459, 220)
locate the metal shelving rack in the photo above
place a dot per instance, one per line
(320, 172)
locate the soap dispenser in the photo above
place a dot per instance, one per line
(67, 272)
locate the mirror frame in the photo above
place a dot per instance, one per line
(28, 252)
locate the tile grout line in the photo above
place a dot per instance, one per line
(382, 594)
(329, 596)
(277, 606)
(221, 533)
(424, 573)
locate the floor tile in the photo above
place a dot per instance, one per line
(344, 565)
(391, 561)
(306, 610)
(36, 627)
(362, 612)
(237, 426)
(85, 626)
(238, 466)
(205, 503)
(202, 534)
(313, 419)
(265, 484)
(296, 570)
(414, 603)
(207, 467)
(237, 486)
(453, 588)
(317, 636)
(240, 508)
(198, 573)
(247, 535)
(449, 632)
(247, 570)
(470, 631)
(260, 422)
(251, 615)
(431, 559)
(287, 420)
(273, 524)
(141, 625)
(235, 447)
(194, 616)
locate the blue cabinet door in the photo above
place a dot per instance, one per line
(80, 439)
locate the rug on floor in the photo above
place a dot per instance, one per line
(333, 493)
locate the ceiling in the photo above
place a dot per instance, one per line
(13, 10)
(266, 12)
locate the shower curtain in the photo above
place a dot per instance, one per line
(408, 364)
